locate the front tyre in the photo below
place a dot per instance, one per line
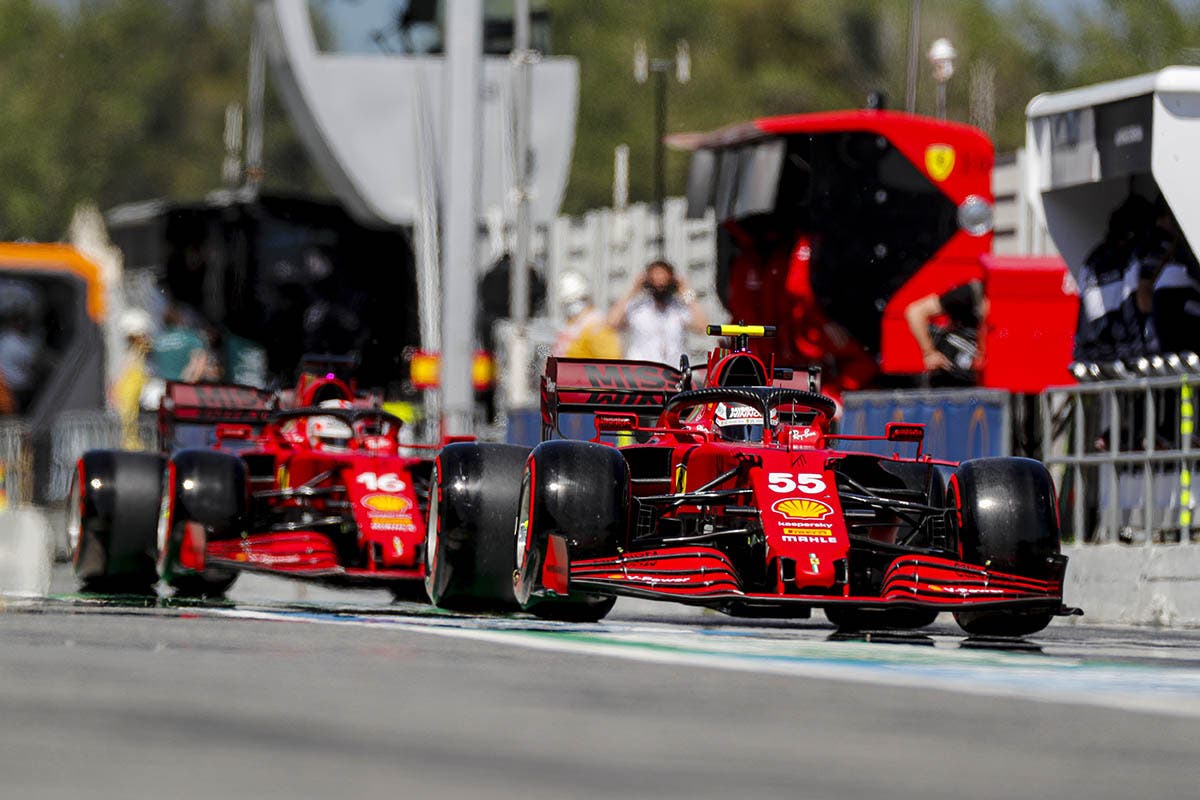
(575, 501)
(112, 521)
(208, 500)
(473, 499)
(1008, 523)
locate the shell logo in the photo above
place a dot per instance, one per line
(802, 508)
(386, 503)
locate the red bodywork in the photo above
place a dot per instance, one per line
(1034, 306)
(862, 220)
(352, 517)
(808, 521)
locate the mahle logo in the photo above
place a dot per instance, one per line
(939, 161)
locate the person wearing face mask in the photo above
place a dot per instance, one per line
(655, 314)
(587, 333)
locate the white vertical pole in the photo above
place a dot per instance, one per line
(520, 394)
(254, 109)
(460, 173)
(914, 46)
(621, 177)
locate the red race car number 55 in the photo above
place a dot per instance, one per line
(806, 482)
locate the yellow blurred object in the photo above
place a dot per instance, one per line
(483, 371)
(407, 412)
(424, 370)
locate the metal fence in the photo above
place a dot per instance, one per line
(38, 466)
(15, 457)
(1123, 454)
(959, 423)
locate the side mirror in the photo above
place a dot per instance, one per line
(614, 423)
(233, 432)
(904, 432)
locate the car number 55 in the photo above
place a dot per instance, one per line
(806, 482)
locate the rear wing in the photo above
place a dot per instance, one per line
(212, 404)
(581, 385)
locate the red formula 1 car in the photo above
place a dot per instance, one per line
(309, 483)
(739, 496)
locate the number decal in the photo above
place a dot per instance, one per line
(387, 482)
(810, 482)
(781, 482)
(806, 482)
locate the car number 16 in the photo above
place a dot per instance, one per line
(806, 482)
(387, 482)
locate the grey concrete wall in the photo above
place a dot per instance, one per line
(1155, 585)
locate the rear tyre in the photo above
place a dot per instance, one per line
(112, 521)
(896, 619)
(208, 500)
(1008, 523)
(578, 492)
(473, 499)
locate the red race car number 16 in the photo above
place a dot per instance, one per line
(786, 482)
(387, 482)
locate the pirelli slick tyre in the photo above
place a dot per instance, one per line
(112, 521)
(895, 619)
(579, 494)
(207, 499)
(1007, 522)
(473, 498)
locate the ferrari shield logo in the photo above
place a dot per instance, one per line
(939, 161)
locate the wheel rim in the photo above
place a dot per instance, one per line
(75, 516)
(164, 514)
(431, 529)
(521, 533)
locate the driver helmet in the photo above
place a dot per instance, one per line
(738, 423)
(328, 433)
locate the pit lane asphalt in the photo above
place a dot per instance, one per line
(299, 692)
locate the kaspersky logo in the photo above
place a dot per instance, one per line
(802, 508)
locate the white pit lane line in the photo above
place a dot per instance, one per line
(1173, 690)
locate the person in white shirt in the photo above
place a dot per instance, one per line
(655, 314)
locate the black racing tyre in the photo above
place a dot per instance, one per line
(848, 618)
(1007, 522)
(209, 488)
(579, 491)
(112, 521)
(473, 497)
(409, 592)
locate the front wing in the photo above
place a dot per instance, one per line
(299, 554)
(705, 576)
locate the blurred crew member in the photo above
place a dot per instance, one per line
(126, 392)
(1114, 287)
(179, 352)
(655, 313)
(951, 354)
(21, 347)
(1175, 299)
(587, 333)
